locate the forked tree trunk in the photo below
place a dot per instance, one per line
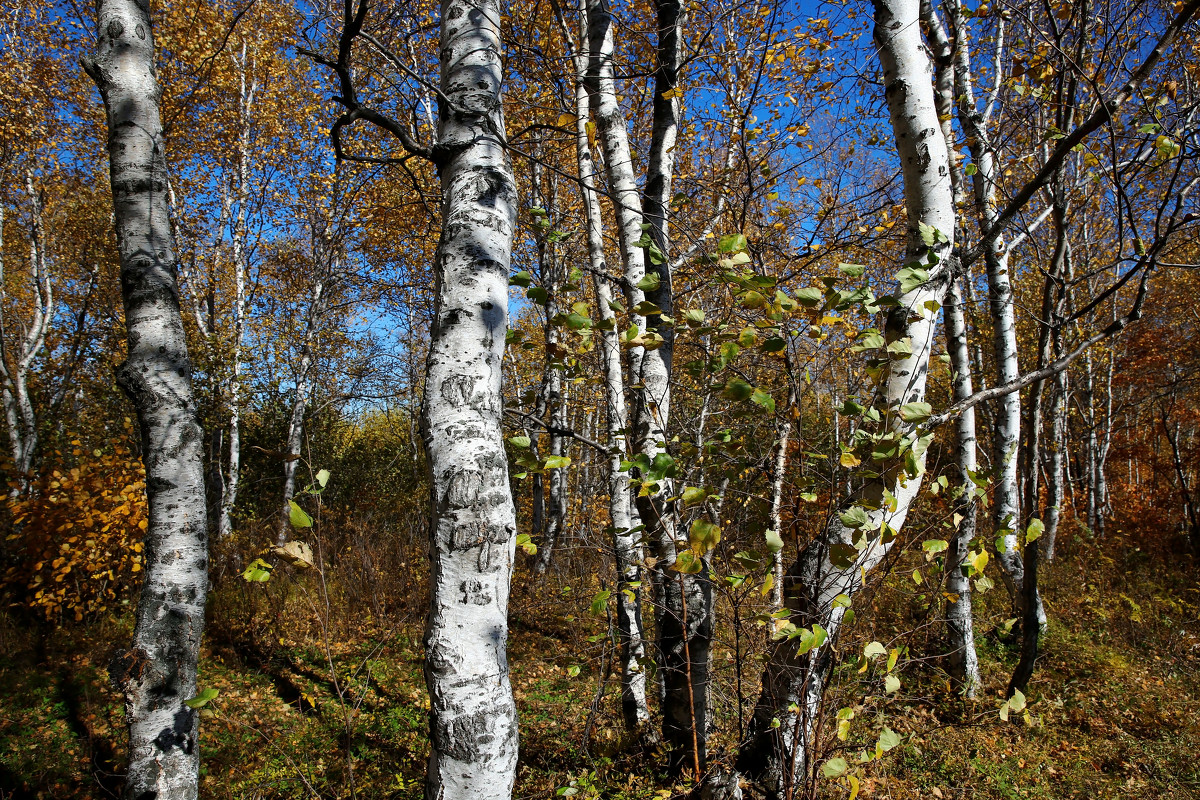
(158, 673)
(473, 717)
(793, 683)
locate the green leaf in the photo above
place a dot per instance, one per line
(204, 698)
(572, 670)
(774, 540)
(870, 339)
(693, 495)
(322, 477)
(557, 462)
(646, 309)
(970, 169)
(694, 316)
(932, 546)
(910, 278)
(916, 412)
(835, 767)
(891, 684)
(1036, 528)
(688, 563)
(737, 389)
(538, 295)
(874, 649)
(854, 517)
(842, 556)
(763, 399)
(522, 279)
(297, 516)
(729, 351)
(888, 739)
(733, 243)
(599, 602)
(520, 441)
(810, 296)
(259, 571)
(853, 270)
(703, 535)
(650, 282)
(526, 544)
(931, 235)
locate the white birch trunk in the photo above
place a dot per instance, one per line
(240, 245)
(1006, 431)
(17, 357)
(684, 614)
(960, 625)
(295, 432)
(627, 552)
(158, 673)
(473, 717)
(777, 756)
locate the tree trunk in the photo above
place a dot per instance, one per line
(240, 246)
(960, 625)
(158, 673)
(17, 358)
(776, 755)
(685, 608)
(627, 552)
(473, 716)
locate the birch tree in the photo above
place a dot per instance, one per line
(157, 675)
(19, 348)
(829, 571)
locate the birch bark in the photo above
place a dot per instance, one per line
(473, 717)
(17, 357)
(684, 620)
(960, 624)
(777, 755)
(248, 87)
(158, 673)
(627, 552)
(1006, 431)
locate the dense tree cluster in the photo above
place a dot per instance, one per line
(725, 308)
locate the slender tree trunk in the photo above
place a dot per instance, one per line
(783, 434)
(158, 673)
(627, 552)
(960, 625)
(240, 247)
(473, 716)
(292, 446)
(17, 358)
(776, 755)
(684, 613)
(553, 400)
(1006, 430)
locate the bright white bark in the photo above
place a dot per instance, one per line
(158, 673)
(960, 625)
(778, 756)
(18, 353)
(1006, 431)
(685, 620)
(627, 553)
(248, 87)
(473, 717)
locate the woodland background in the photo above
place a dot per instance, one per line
(305, 284)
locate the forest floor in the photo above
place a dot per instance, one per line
(327, 703)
